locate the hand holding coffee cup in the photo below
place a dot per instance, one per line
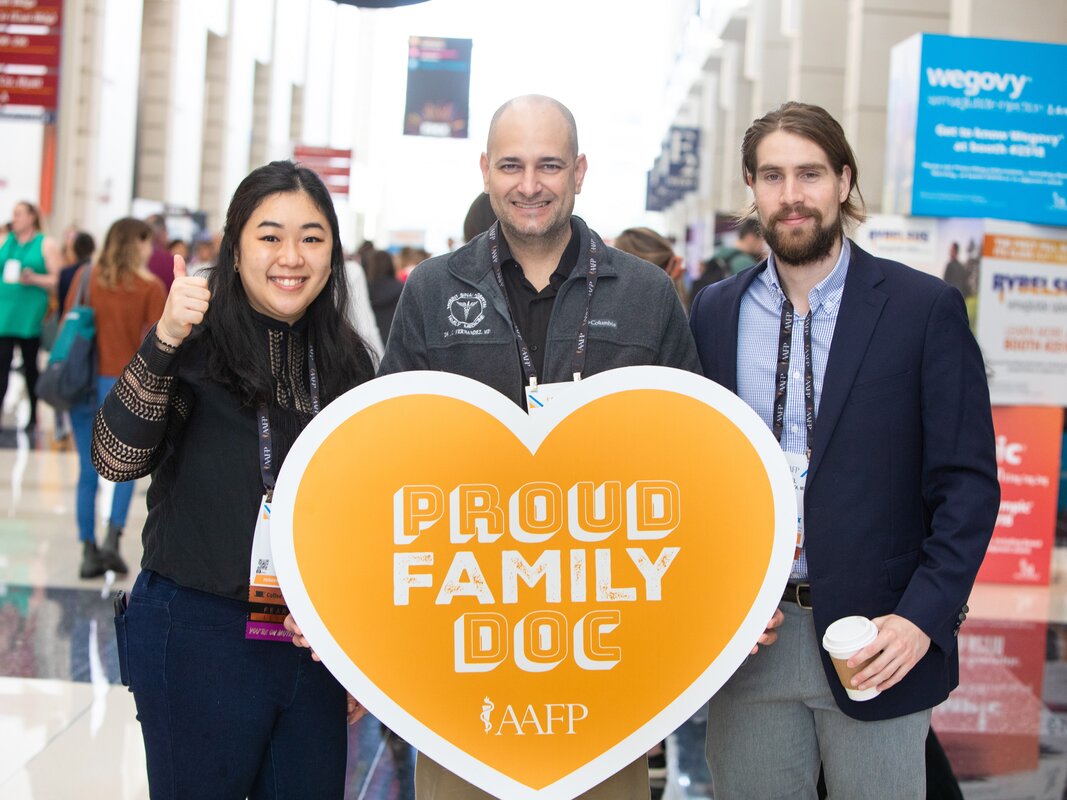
(896, 646)
(843, 640)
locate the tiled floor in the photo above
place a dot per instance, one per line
(67, 729)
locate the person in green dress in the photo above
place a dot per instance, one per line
(30, 262)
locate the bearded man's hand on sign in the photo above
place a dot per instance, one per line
(770, 635)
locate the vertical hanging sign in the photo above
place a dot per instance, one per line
(334, 166)
(439, 82)
(30, 45)
(1028, 465)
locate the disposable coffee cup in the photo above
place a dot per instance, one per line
(842, 640)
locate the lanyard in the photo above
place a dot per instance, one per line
(266, 443)
(781, 377)
(578, 359)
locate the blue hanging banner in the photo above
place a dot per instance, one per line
(676, 171)
(976, 129)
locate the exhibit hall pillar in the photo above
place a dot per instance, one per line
(171, 118)
(817, 61)
(97, 118)
(768, 55)
(710, 144)
(232, 53)
(874, 27)
(367, 184)
(1028, 20)
(735, 103)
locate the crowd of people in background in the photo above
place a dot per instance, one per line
(32, 302)
(131, 275)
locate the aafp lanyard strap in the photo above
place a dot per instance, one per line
(781, 377)
(267, 467)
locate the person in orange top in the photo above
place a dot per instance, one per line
(127, 300)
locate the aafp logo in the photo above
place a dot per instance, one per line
(466, 309)
(544, 719)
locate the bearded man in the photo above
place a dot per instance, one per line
(867, 373)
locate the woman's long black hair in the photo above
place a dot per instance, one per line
(238, 356)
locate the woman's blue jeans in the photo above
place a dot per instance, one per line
(81, 422)
(225, 717)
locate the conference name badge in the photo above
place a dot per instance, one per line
(539, 396)
(12, 271)
(798, 470)
(266, 605)
(533, 601)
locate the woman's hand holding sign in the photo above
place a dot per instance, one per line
(298, 636)
(356, 711)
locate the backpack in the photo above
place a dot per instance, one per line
(70, 377)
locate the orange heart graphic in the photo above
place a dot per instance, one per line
(534, 601)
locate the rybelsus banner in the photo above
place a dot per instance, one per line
(534, 601)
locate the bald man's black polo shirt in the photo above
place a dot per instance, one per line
(532, 309)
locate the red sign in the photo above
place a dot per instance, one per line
(25, 48)
(1028, 465)
(991, 724)
(42, 14)
(331, 164)
(304, 153)
(30, 37)
(28, 90)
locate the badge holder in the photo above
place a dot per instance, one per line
(798, 468)
(12, 271)
(266, 606)
(539, 395)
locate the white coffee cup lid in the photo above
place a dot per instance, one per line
(849, 634)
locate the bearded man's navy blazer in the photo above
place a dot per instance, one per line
(902, 491)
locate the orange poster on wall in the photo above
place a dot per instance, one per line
(534, 601)
(1028, 465)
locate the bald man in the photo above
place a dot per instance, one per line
(538, 299)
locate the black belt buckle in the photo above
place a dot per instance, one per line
(799, 593)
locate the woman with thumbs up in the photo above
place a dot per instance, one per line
(236, 367)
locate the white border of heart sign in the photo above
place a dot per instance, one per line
(532, 431)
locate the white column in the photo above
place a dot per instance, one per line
(318, 80)
(228, 125)
(768, 55)
(97, 120)
(817, 67)
(1026, 20)
(170, 128)
(214, 136)
(874, 28)
(735, 101)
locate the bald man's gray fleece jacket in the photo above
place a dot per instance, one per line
(453, 317)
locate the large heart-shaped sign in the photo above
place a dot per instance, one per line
(534, 601)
